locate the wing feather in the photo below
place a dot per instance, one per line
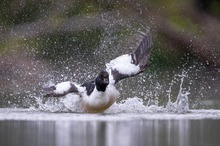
(60, 89)
(129, 65)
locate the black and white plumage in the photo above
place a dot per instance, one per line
(100, 94)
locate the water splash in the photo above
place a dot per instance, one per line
(71, 103)
(181, 105)
(135, 105)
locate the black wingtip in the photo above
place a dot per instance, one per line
(142, 53)
(138, 59)
(48, 91)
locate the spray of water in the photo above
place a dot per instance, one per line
(181, 105)
(71, 103)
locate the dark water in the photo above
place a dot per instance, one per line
(151, 132)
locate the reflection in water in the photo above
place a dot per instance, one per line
(123, 133)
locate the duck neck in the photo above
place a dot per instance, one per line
(99, 85)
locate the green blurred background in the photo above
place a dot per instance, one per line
(45, 41)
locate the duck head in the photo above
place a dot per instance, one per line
(102, 81)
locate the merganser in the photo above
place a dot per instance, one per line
(98, 95)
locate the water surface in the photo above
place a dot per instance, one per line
(26, 127)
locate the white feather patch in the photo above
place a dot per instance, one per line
(62, 87)
(123, 64)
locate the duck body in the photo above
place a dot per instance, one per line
(95, 96)
(98, 95)
(99, 101)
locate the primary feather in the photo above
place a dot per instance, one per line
(128, 65)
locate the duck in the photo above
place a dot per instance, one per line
(98, 95)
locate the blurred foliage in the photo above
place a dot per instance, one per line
(91, 6)
(214, 8)
(59, 46)
(169, 58)
(210, 6)
(14, 12)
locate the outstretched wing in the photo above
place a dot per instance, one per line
(60, 89)
(129, 65)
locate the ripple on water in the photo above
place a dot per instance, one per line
(117, 113)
